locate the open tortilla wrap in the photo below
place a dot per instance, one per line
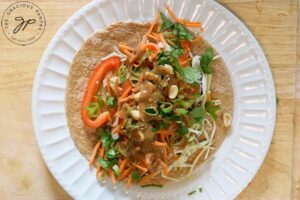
(101, 44)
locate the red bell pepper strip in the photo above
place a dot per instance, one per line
(96, 78)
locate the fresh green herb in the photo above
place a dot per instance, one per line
(191, 192)
(182, 130)
(151, 111)
(198, 114)
(200, 189)
(112, 154)
(166, 23)
(212, 109)
(206, 60)
(136, 71)
(107, 163)
(163, 125)
(93, 110)
(100, 101)
(277, 100)
(110, 101)
(122, 72)
(185, 103)
(190, 75)
(116, 169)
(175, 118)
(135, 175)
(166, 107)
(181, 111)
(106, 138)
(152, 185)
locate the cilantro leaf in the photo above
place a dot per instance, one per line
(182, 130)
(107, 163)
(135, 175)
(198, 114)
(190, 75)
(106, 138)
(206, 60)
(212, 109)
(112, 153)
(166, 23)
(110, 101)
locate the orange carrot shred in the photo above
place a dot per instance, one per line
(123, 165)
(125, 173)
(117, 87)
(128, 183)
(160, 144)
(112, 176)
(140, 167)
(146, 178)
(93, 157)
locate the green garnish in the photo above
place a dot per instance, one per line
(181, 111)
(99, 100)
(112, 154)
(135, 175)
(136, 71)
(152, 185)
(198, 114)
(182, 130)
(122, 72)
(151, 111)
(200, 189)
(116, 169)
(206, 60)
(166, 107)
(188, 74)
(179, 31)
(93, 110)
(185, 103)
(212, 109)
(106, 138)
(277, 100)
(107, 163)
(110, 101)
(191, 192)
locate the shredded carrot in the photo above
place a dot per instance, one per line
(93, 157)
(140, 167)
(165, 156)
(165, 167)
(152, 37)
(154, 22)
(125, 99)
(124, 46)
(184, 60)
(123, 165)
(209, 97)
(186, 45)
(112, 176)
(147, 178)
(182, 21)
(126, 92)
(125, 173)
(102, 152)
(108, 88)
(126, 85)
(160, 144)
(128, 183)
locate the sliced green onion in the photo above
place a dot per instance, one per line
(191, 192)
(151, 111)
(185, 103)
(116, 169)
(93, 110)
(122, 72)
(181, 111)
(136, 71)
(133, 80)
(166, 107)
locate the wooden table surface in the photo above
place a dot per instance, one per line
(23, 174)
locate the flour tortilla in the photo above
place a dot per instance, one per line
(101, 44)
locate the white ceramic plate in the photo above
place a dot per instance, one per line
(234, 164)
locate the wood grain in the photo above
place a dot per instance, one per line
(22, 170)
